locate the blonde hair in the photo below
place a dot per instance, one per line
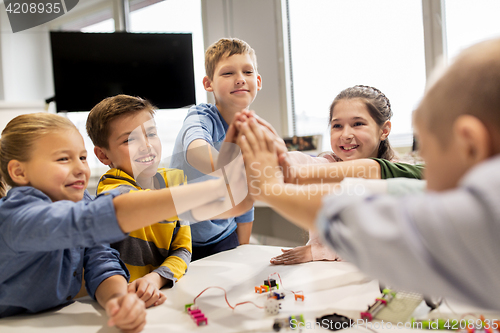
(471, 85)
(226, 47)
(109, 109)
(19, 136)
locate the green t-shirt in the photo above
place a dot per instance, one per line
(397, 169)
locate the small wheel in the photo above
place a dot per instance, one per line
(433, 302)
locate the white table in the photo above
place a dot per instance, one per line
(328, 287)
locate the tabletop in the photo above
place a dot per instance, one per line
(328, 287)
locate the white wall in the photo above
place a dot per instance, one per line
(25, 70)
(26, 63)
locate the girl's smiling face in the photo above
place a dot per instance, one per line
(58, 166)
(354, 133)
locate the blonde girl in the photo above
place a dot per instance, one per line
(51, 229)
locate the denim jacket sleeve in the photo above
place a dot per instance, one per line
(32, 222)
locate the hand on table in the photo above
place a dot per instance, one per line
(297, 255)
(147, 291)
(127, 312)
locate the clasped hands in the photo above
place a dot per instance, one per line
(264, 153)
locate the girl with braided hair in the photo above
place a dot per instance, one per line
(360, 126)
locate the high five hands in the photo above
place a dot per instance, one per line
(262, 149)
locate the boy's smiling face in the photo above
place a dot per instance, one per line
(134, 145)
(235, 82)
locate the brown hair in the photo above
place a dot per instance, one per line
(102, 115)
(471, 85)
(226, 47)
(379, 107)
(19, 136)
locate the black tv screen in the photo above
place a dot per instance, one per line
(89, 67)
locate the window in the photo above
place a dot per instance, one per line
(469, 22)
(338, 44)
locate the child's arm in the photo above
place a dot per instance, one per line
(147, 288)
(230, 166)
(336, 172)
(297, 203)
(329, 172)
(106, 280)
(244, 231)
(42, 225)
(175, 265)
(140, 209)
(219, 210)
(312, 172)
(125, 310)
(202, 156)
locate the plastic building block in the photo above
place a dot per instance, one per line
(272, 306)
(276, 295)
(261, 289)
(380, 303)
(301, 297)
(270, 282)
(297, 319)
(366, 316)
(197, 316)
(190, 305)
(291, 322)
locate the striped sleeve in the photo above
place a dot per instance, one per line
(177, 262)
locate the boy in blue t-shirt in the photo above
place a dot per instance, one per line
(231, 68)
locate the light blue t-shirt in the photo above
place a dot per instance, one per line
(204, 122)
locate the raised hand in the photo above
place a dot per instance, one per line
(260, 156)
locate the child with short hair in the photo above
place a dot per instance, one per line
(157, 255)
(444, 242)
(51, 229)
(232, 77)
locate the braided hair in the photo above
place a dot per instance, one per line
(379, 107)
(3, 188)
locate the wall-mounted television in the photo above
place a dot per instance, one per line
(89, 67)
